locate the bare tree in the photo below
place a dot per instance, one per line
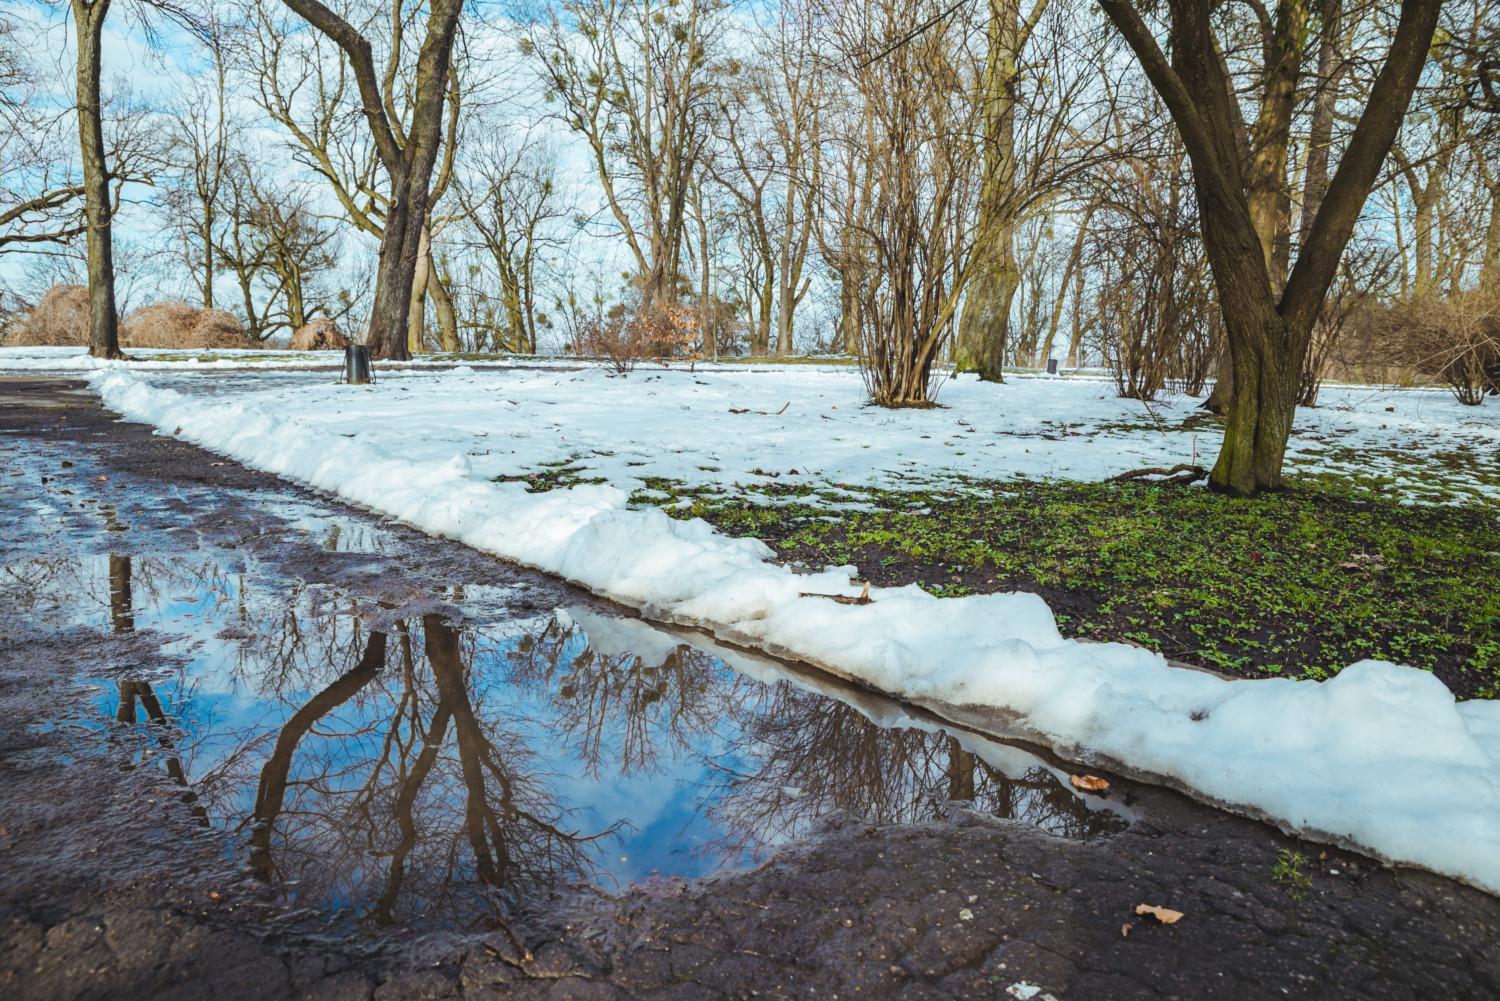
(407, 148)
(277, 250)
(769, 126)
(200, 153)
(633, 81)
(1268, 324)
(983, 327)
(511, 207)
(104, 321)
(912, 135)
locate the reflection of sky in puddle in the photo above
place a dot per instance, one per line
(441, 758)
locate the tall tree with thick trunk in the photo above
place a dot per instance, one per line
(1268, 325)
(408, 158)
(104, 320)
(984, 324)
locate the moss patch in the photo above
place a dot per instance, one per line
(1299, 583)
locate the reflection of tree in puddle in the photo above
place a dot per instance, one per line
(783, 756)
(133, 690)
(408, 770)
(403, 795)
(618, 708)
(803, 755)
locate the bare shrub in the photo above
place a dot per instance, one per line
(1155, 308)
(1455, 339)
(61, 318)
(178, 325)
(910, 245)
(1365, 267)
(628, 334)
(321, 334)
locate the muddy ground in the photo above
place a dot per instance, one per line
(109, 889)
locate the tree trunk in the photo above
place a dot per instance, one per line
(447, 316)
(1223, 391)
(1266, 357)
(849, 317)
(1491, 269)
(784, 324)
(104, 323)
(408, 159)
(416, 309)
(208, 256)
(984, 325)
(761, 340)
(1325, 102)
(1425, 199)
(1079, 327)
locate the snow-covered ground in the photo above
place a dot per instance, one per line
(740, 424)
(1380, 757)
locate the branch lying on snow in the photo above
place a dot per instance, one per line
(763, 413)
(842, 599)
(1183, 472)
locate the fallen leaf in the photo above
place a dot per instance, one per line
(1089, 783)
(1165, 915)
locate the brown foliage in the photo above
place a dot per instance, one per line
(625, 336)
(321, 334)
(60, 319)
(178, 325)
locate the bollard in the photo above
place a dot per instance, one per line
(357, 365)
(1051, 366)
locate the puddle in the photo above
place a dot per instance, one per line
(440, 755)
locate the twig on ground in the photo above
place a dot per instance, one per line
(843, 599)
(763, 413)
(1183, 472)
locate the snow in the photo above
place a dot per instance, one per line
(1381, 757)
(720, 426)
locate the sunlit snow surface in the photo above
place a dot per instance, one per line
(1380, 757)
(725, 424)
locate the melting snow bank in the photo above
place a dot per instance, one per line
(1381, 757)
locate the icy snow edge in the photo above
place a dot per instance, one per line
(1381, 757)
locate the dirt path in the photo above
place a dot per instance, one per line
(110, 889)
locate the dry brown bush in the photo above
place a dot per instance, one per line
(321, 334)
(178, 325)
(61, 318)
(1453, 338)
(625, 336)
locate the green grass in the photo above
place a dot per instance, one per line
(1299, 583)
(1287, 870)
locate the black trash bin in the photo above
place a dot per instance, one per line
(1051, 366)
(357, 365)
